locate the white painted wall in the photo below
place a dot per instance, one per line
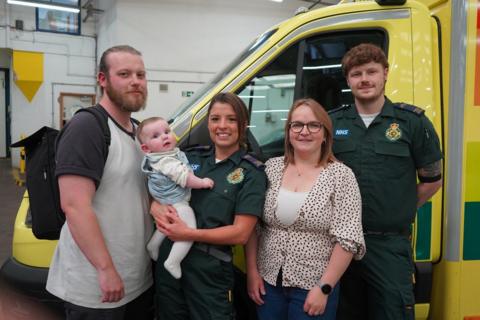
(69, 66)
(184, 44)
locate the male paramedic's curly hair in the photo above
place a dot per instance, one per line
(361, 54)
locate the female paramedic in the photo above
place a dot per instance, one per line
(226, 215)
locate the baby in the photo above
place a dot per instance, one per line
(170, 180)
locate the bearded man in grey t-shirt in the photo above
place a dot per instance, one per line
(101, 268)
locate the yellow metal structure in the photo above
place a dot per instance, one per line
(26, 248)
(28, 72)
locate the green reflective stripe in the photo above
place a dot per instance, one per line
(471, 234)
(424, 232)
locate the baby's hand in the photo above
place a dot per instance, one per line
(207, 183)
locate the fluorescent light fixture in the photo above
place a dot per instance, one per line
(346, 90)
(327, 66)
(277, 0)
(44, 6)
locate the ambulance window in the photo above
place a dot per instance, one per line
(268, 97)
(322, 76)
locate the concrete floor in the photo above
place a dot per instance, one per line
(10, 197)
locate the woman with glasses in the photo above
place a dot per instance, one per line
(311, 226)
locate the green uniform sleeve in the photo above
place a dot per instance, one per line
(426, 145)
(251, 197)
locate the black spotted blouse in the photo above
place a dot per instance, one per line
(330, 214)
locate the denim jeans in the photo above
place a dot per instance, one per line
(286, 303)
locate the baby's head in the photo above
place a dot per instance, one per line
(155, 135)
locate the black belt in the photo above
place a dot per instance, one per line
(405, 233)
(214, 252)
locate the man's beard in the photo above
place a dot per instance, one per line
(123, 102)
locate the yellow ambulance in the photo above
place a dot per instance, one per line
(433, 47)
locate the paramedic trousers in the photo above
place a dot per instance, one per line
(380, 286)
(203, 292)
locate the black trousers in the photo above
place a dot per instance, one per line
(140, 308)
(204, 292)
(380, 286)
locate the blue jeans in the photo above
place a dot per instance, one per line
(286, 303)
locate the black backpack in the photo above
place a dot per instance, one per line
(42, 185)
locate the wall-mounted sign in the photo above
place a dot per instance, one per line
(187, 93)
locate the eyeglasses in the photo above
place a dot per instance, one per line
(312, 127)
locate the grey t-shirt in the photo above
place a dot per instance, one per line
(121, 205)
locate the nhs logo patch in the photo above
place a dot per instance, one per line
(342, 132)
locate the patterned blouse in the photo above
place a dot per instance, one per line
(330, 214)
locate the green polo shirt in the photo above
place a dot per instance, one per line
(385, 158)
(240, 184)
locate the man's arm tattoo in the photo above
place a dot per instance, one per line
(431, 172)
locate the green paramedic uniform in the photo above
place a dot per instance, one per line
(385, 158)
(205, 289)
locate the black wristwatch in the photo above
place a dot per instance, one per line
(326, 288)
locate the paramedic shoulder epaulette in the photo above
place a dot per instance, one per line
(197, 147)
(339, 108)
(254, 161)
(408, 107)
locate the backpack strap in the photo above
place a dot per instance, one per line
(101, 115)
(102, 119)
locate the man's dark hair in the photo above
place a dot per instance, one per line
(362, 54)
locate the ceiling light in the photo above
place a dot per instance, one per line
(277, 0)
(44, 6)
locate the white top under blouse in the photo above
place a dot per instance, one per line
(289, 204)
